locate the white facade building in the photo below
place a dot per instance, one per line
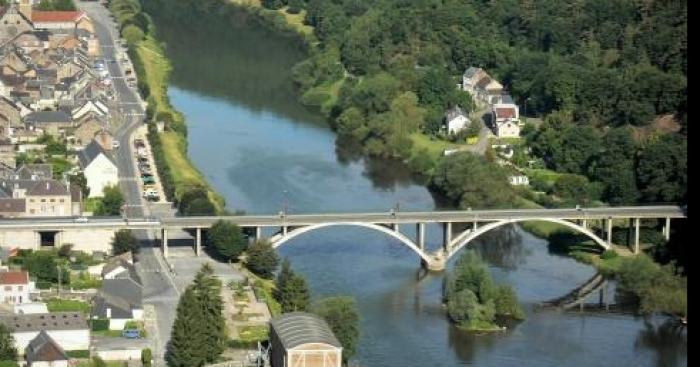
(15, 287)
(99, 169)
(69, 329)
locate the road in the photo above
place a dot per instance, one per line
(291, 220)
(158, 287)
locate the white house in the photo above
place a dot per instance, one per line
(96, 108)
(483, 88)
(519, 180)
(506, 120)
(70, 330)
(99, 169)
(43, 351)
(119, 300)
(456, 120)
(15, 287)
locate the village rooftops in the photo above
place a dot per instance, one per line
(454, 112)
(56, 16)
(91, 152)
(49, 188)
(505, 112)
(46, 117)
(298, 328)
(14, 277)
(44, 349)
(49, 321)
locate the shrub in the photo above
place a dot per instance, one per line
(99, 324)
(608, 254)
(146, 357)
(83, 353)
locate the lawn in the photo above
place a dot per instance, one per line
(157, 68)
(67, 305)
(435, 147)
(253, 333)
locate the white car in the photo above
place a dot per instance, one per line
(81, 220)
(115, 144)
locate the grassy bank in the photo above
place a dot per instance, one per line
(293, 22)
(180, 174)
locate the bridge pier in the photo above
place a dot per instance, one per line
(420, 235)
(436, 264)
(198, 242)
(667, 229)
(447, 235)
(636, 236)
(164, 242)
(609, 230)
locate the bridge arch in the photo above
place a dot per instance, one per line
(282, 239)
(464, 240)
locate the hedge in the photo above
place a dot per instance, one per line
(83, 353)
(99, 324)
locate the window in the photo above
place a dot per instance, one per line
(53, 200)
(61, 200)
(43, 200)
(20, 288)
(8, 288)
(31, 211)
(31, 200)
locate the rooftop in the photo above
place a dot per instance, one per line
(299, 328)
(56, 16)
(44, 349)
(47, 321)
(14, 277)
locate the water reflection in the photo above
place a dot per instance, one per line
(668, 338)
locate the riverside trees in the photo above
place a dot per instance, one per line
(474, 300)
(226, 239)
(198, 335)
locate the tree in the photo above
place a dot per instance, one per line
(195, 201)
(198, 333)
(43, 266)
(262, 259)
(132, 34)
(343, 318)
(226, 239)
(8, 351)
(80, 182)
(146, 357)
(292, 292)
(460, 177)
(185, 348)
(124, 241)
(112, 201)
(662, 171)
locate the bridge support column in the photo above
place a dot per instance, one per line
(636, 236)
(258, 233)
(447, 236)
(198, 242)
(584, 223)
(395, 227)
(165, 242)
(436, 264)
(667, 229)
(475, 225)
(285, 229)
(420, 235)
(609, 231)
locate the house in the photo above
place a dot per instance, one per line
(99, 168)
(9, 117)
(54, 123)
(61, 20)
(90, 109)
(300, 339)
(70, 330)
(86, 132)
(34, 171)
(43, 351)
(15, 287)
(118, 268)
(518, 180)
(49, 198)
(483, 88)
(506, 120)
(456, 120)
(13, 22)
(119, 300)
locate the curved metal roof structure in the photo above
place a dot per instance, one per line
(299, 328)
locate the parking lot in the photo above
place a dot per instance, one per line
(146, 173)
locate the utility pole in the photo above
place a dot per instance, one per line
(58, 267)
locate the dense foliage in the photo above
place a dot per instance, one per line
(111, 202)
(292, 291)
(226, 240)
(124, 241)
(8, 351)
(56, 5)
(655, 288)
(262, 259)
(343, 318)
(473, 299)
(198, 335)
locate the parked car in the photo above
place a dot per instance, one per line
(131, 334)
(148, 180)
(115, 144)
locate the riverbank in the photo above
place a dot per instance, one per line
(177, 172)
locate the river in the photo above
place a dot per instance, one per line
(263, 152)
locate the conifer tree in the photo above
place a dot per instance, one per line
(292, 293)
(208, 292)
(185, 347)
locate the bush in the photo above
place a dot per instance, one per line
(262, 259)
(99, 324)
(146, 357)
(83, 353)
(609, 254)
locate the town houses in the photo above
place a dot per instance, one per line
(487, 92)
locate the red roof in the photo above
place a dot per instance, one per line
(55, 16)
(14, 277)
(505, 113)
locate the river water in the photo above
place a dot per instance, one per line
(263, 151)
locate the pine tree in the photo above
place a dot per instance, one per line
(186, 341)
(208, 293)
(292, 293)
(284, 275)
(8, 352)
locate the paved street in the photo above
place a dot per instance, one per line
(159, 290)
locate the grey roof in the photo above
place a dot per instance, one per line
(45, 321)
(91, 152)
(34, 171)
(9, 205)
(121, 295)
(469, 73)
(507, 99)
(44, 349)
(299, 328)
(44, 117)
(48, 188)
(454, 113)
